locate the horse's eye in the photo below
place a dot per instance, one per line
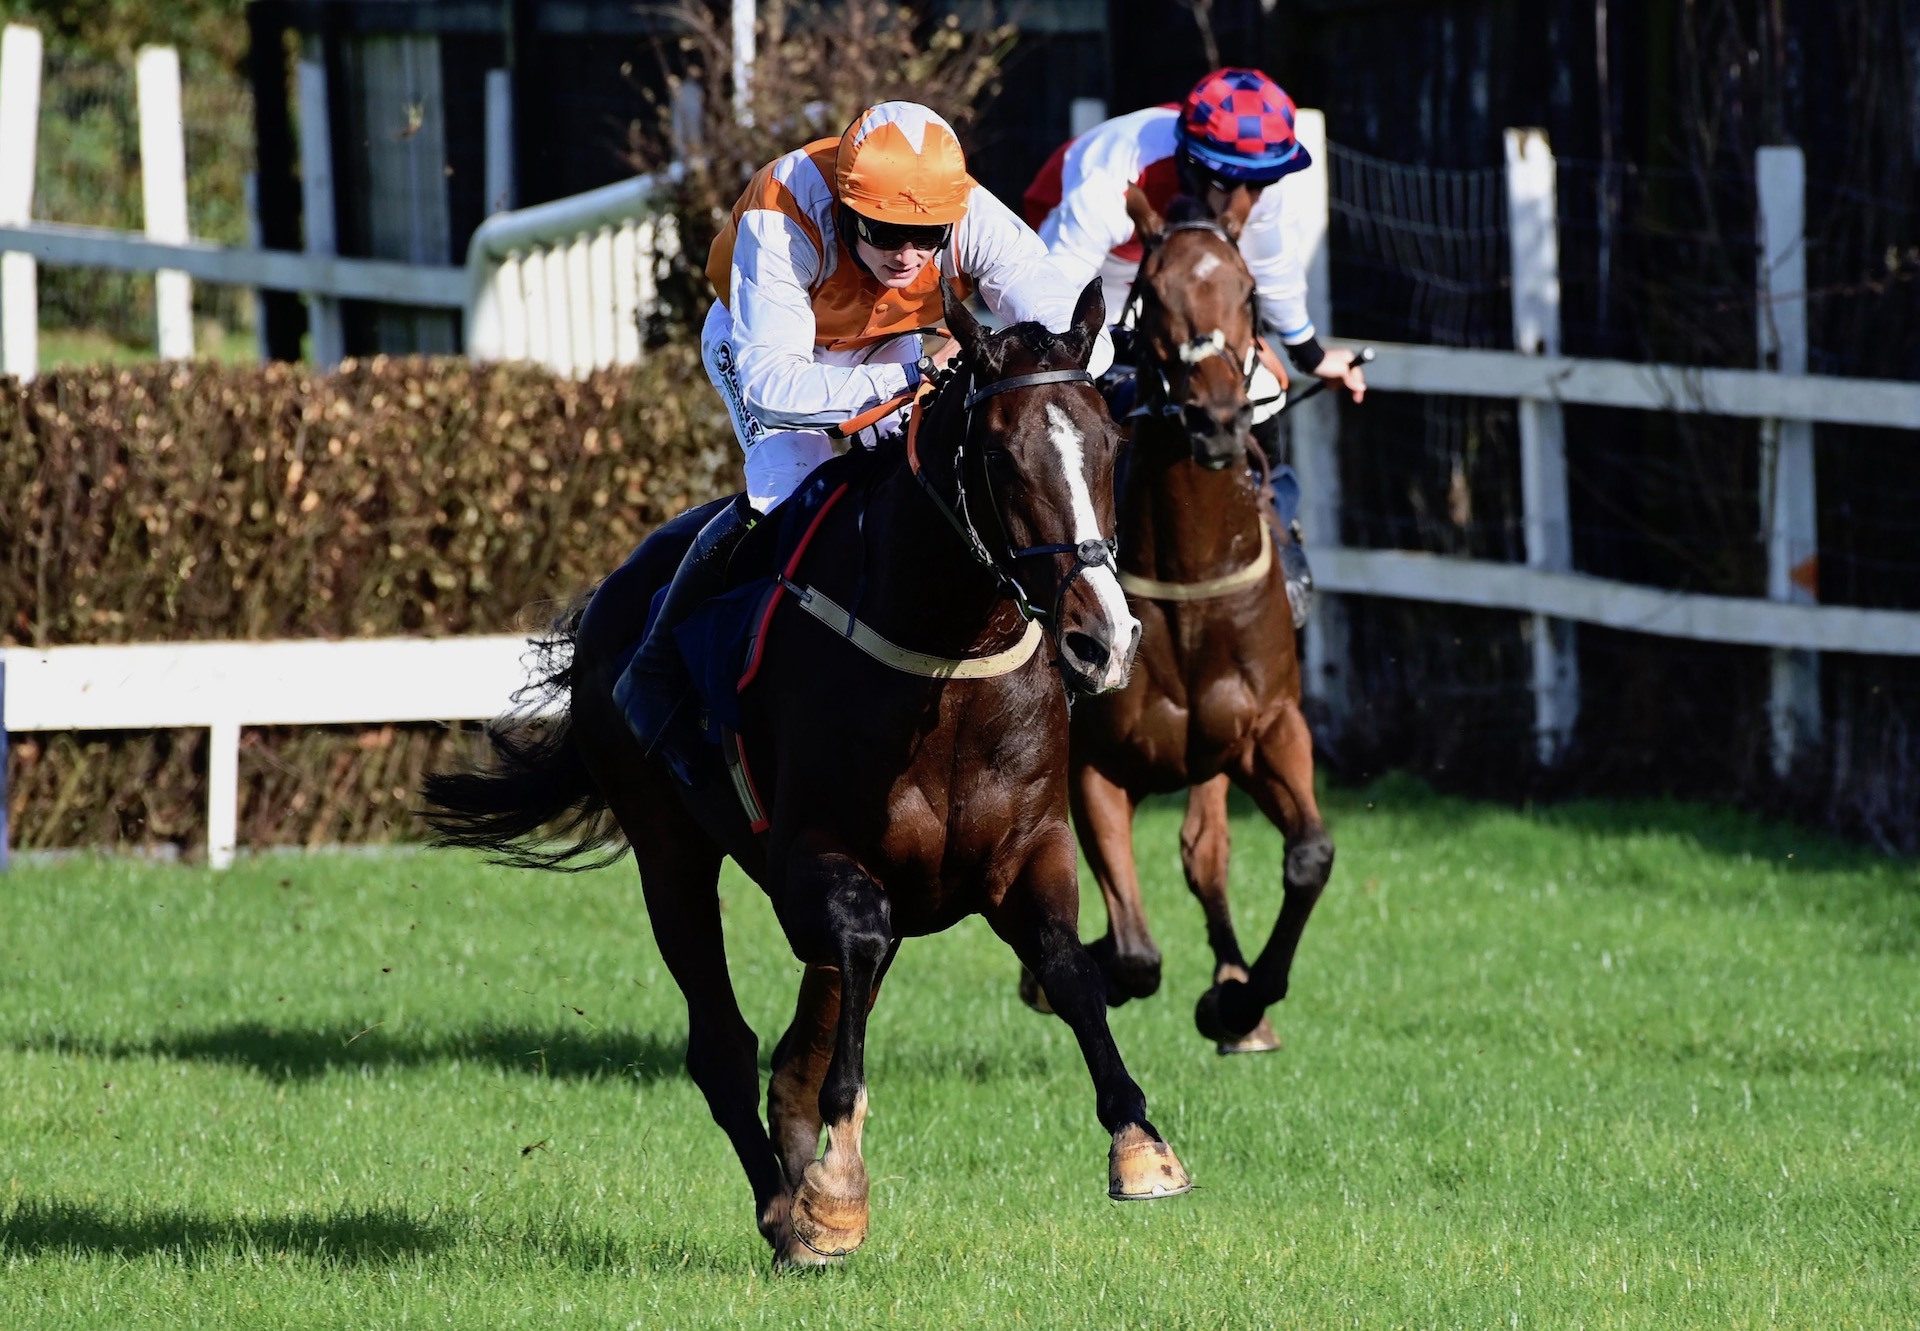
(1001, 464)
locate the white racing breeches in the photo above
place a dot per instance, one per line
(778, 460)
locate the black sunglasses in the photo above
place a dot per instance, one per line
(894, 236)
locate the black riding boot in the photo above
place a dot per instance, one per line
(1293, 557)
(657, 683)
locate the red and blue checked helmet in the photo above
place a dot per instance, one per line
(1237, 124)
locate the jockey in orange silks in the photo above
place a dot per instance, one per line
(827, 274)
(1233, 132)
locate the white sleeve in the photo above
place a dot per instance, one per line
(1090, 221)
(774, 265)
(1279, 281)
(1016, 275)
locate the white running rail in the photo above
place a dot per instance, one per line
(568, 284)
(223, 686)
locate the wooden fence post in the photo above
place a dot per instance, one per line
(5, 790)
(1786, 446)
(163, 190)
(19, 133)
(1535, 248)
(1315, 427)
(316, 201)
(223, 792)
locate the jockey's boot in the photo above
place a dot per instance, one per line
(1286, 493)
(656, 686)
(1293, 564)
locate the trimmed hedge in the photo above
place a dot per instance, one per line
(187, 502)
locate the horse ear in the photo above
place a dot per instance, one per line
(1090, 314)
(1233, 219)
(960, 321)
(1148, 223)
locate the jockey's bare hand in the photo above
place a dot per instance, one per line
(1341, 368)
(949, 348)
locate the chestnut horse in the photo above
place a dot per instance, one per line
(905, 787)
(1215, 694)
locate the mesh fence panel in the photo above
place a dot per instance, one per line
(87, 172)
(1654, 265)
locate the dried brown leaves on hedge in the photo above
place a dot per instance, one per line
(181, 502)
(193, 502)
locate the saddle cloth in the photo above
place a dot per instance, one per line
(722, 641)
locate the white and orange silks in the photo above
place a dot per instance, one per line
(802, 337)
(1078, 203)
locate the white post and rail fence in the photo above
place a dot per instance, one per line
(570, 283)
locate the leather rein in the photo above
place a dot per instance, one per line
(1155, 398)
(1089, 554)
(1155, 395)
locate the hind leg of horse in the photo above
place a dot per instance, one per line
(800, 1068)
(1205, 842)
(1039, 919)
(1279, 777)
(679, 878)
(837, 916)
(1103, 815)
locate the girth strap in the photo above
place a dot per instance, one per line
(1152, 589)
(829, 612)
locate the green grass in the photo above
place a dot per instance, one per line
(63, 348)
(1597, 1066)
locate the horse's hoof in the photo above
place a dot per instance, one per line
(1032, 994)
(1140, 1169)
(1223, 1014)
(1260, 1040)
(798, 1256)
(826, 1223)
(1128, 974)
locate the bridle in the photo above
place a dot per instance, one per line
(1002, 559)
(1155, 391)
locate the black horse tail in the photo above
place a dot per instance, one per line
(536, 805)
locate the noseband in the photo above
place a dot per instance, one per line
(1088, 554)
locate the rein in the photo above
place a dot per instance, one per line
(1156, 393)
(1160, 403)
(1088, 554)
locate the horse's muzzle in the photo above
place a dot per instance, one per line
(1091, 664)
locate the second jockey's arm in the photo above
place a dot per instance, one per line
(781, 383)
(1281, 290)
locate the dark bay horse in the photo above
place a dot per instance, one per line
(912, 768)
(1215, 693)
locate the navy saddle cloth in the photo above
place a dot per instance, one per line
(718, 639)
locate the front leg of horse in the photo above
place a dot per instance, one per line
(1103, 814)
(1205, 842)
(1038, 918)
(1280, 780)
(837, 917)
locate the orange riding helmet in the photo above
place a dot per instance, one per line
(900, 163)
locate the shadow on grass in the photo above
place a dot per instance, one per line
(355, 1238)
(300, 1053)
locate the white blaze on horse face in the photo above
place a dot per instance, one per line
(1204, 347)
(1208, 262)
(1068, 442)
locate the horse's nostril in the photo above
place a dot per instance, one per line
(1087, 650)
